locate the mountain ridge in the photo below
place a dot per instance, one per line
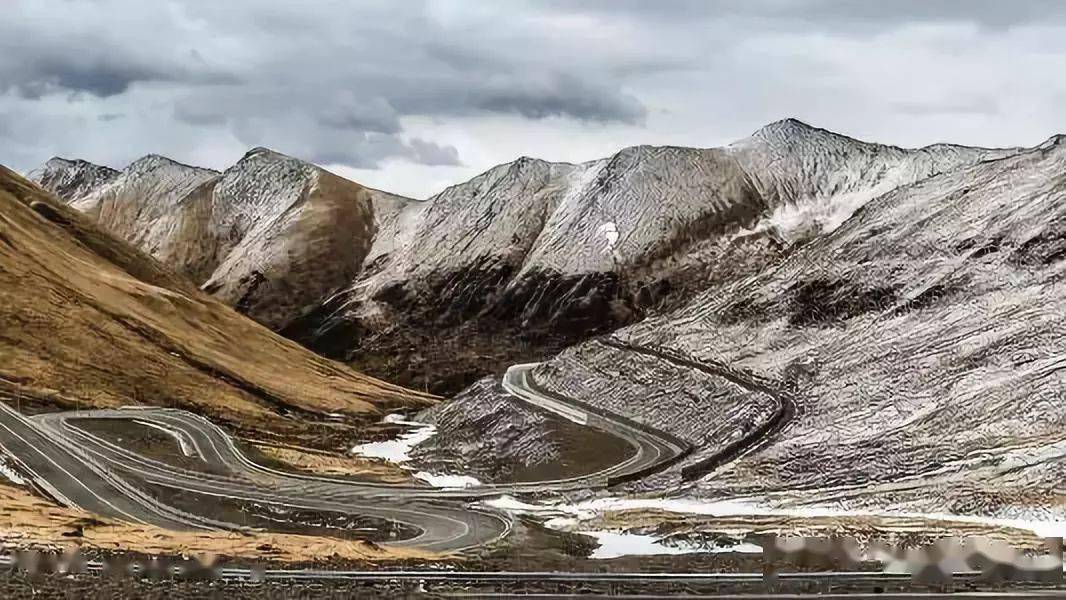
(545, 253)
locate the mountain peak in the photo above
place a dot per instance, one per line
(151, 162)
(59, 161)
(260, 150)
(70, 178)
(1056, 140)
(785, 127)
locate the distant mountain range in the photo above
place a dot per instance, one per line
(517, 263)
(823, 322)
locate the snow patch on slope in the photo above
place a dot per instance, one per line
(398, 451)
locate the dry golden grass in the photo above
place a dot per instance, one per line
(86, 317)
(27, 521)
(88, 320)
(332, 464)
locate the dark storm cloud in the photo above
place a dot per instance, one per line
(36, 61)
(101, 80)
(559, 95)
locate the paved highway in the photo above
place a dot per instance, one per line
(653, 449)
(74, 480)
(78, 468)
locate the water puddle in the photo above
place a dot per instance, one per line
(398, 451)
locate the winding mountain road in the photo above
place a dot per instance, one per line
(653, 449)
(81, 469)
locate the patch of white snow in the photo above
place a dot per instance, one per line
(7, 471)
(614, 544)
(397, 450)
(568, 516)
(441, 480)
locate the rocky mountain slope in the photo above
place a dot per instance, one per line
(914, 355)
(87, 320)
(532, 256)
(71, 179)
(517, 263)
(270, 235)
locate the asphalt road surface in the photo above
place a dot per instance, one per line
(78, 468)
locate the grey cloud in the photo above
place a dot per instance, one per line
(366, 151)
(237, 70)
(433, 154)
(191, 114)
(349, 112)
(827, 14)
(34, 71)
(299, 136)
(369, 150)
(560, 95)
(99, 79)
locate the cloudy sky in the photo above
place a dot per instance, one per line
(412, 96)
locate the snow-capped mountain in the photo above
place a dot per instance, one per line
(71, 179)
(534, 253)
(908, 361)
(271, 235)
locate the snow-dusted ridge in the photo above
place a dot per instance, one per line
(71, 179)
(363, 275)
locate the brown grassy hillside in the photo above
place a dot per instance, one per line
(86, 319)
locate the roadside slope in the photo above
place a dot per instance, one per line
(86, 319)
